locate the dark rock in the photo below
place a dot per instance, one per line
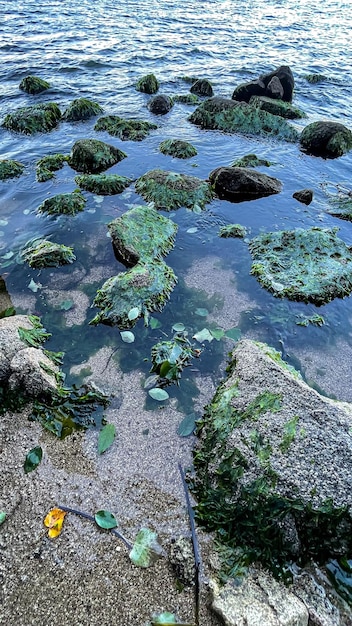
(275, 88)
(326, 139)
(186, 98)
(160, 104)
(202, 87)
(277, 84)
(239, 183)
(245, 91)
(285, 76)
(178, 148)
(92, 156)
(303, 195)
(251, 160)
(125, 129)
(82, 109)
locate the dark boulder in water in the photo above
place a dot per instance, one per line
(81, 109)
(239, 183)
(38, 118)
(34, 85)
(326, 139)
(160, 104)
(278, 84)
(277, 107)
(303, 195)
(202, 87)
(147, 84)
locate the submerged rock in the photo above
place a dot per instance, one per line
(10, 169)
(186, 98)
(92, 156)
(46, 253)
(233, 230)
(34, 85)
(147, 84)
(160, 104)
(340, 205)
(63, 204)
(315, 78)
(202, 87)
(326, 139)
(277, 107)
(239, 183)
(277, 84)
(125, 129)
(303, 195)
(81, 109)
(49, 164)
(311, 265)
(251, 160)
(170, 190)
(38, 118)
(178, 148)
(103, 184)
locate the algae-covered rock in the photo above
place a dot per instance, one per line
(186, 98)
(239, 183)
(251, 160)
(141, 234)
(340, 205)
(232, 230)
(103, 184)
(125, 129)
(277, 107)
(145, 287)
(38, 118)
(147, 84)
(63, 204)
(326, 139)
(81, 109)
(311, 265)
(231, 116)
(92, 156)
(178, 148)
(34, 85)
(202, 87)
(160, 104)
(46, 253)
(10, 169)
(303, 195)
(49, 164)
(170, 190)
(315, 78)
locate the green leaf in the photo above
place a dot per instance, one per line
(233, 333)
(2, 517)
(133, 313)
(106, 437)
(165, 368)
(66, 305)
(105, 519)
(158, 394)
(154, 323)
(202, 312)
(146, 549)
(203, 335)
(218, 333)
(33, 459)
(127, 336)
(178, 328)
(187, 426)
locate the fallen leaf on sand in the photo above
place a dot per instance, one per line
(54, 521)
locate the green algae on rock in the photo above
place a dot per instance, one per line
(92, 156)
(326, 139)
(49, 164)
(141, 234)
(81, 109)
(103, 184)
(277, 107)
(170, 190)
(38, 118)
(251, 160)
(10, 169)
(34, 85)
(315, 78)
(202, 87)
(233, 230)
(145, 287)
(125, 129)
(311, 265)
(63, 204)
(46, 253)
(169, 358)
(186, 98)
(178, 148)
(147, 84)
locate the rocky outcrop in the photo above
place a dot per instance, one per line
(81, 109)
(239, 183)
(160, 104)
(326, 139)
(33, 85)
(147, 84)
(277, 84)
(277, 107)
(92, 156)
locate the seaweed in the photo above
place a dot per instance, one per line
(49, 164)
(81, 109)
(169, 358)
(170, 190)
(38, 118)
(63, 204)
(10, 169)
(103, 184)
(92, 156)
(147, 84)
(34, 85)
(43, 253)
(178, 148)
(125, 129)
(232, 230)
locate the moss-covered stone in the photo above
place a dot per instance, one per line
(233, 230)
(202, 87)
(146, 286)
(232, 116)
(170, 190)
(147, 84)
(311, 265)
(277, 107)
(125, 129)
(326, 139)
(81, 109)
(63, 204)
(38, 118)
(251, 160)
(45, 253)
(178, 148)
(10, 169)
(340, 205)
(34, 85)
(141, 234)
(49, 164)
(103, 184)
(92, 156)
(186, 98)
(315, 78)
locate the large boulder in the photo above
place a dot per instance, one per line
(92, 156)
(160, 104)
(38, 118)
(277, 107)
(202, 87)
(240, 183)
(326, 139)
(277, 84)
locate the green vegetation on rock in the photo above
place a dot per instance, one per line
(251, 160)
(169, 358)
(34, 85)
(232, 230)
(103, 184)
(186, 98)
(125, 129)
(63, 204)
(170, 190)
(315, 78)
(277, 107)
(81, 109)
(340, 205)
(178, 148)
(92, 156)
(49, 164)
(10, 169)
(45, 253)
(38, 118)
(326, 139)
(147, 84)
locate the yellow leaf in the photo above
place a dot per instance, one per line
(54, 521)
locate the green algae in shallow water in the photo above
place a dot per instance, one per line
(33, 85)
(169, 358)
(92, 156)
(147, 84)
(103, 184)
(49, 164)
(10, 169)
(41, 254)
(341, 206)
(178, 148)
(186, 98)
(63, 204)
(38, 118)
(125, 129)
(141, 234)
(170, 190)
(311, 265)
(145, 286)
(251, 160)
(81, 109)
(232, 230)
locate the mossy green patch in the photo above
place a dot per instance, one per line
(125, 129)
(10, 169)
(38, 118)
(340, 205)
(178, 148)
(169, 358)
(92, 156)
(232, 230)
(171, 190)
(49, 164)
(277, 107)
(34, 85)
(187, 98)
(103, 184)
(315, 78)
(251, 160)
(63, 204)
(45, 253)
(147, 84)
(81, 109)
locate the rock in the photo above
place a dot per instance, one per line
(63, 204)
(251, 160)
(303, 195)
(81, 109)
(38, 118)
(278, 84)
(315, 78)
(147, 84)
(10, 169)
(181, 557)
(245, 91)
(326, 139)
(171, 190)
(160, 104)
(274, 88)
(103, 184)
(202, 87)
(232, 230)
(125, 129)
(239, 183)
(277, 107)
(47, 254)
(186, 98)
(49, 164)
(5, 298)
(92, 156)
(340, 205)
(34, 85)
(178, 148)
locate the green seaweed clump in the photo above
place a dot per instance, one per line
(63, 204)
(232, 230)
(10, 169)
(103, 184)
(38, 118)
(187, 98)
(277, 107)
(169, 358)
(341, 206)
(178, 148)
(45, 253)
(49, 164)
(147, 84)
(34, 85)
(81, 109)
(125, 129)
(141, 234)
(311, 265)
(92, 156)
(170, 190)
(315, 78)
(251, 160)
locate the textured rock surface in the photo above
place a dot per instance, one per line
(202, 87)
(171, 190)
(326, 139)
(92, 156)
(39, 118)
(239, 183)
(160, 104)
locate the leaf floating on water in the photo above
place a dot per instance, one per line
(33, 286)
(106, 437)
(2, 517)
(54, 521)
(146, 549)
(158, 394)
(233, 333)
(133, 313)
(154, 323)
(105, 519)
(218, 333)
(33, 459)
(187, 426)
(192, 230)
(203, 335)
(127, 336)
(202, 312)
(178, 328)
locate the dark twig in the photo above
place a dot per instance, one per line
(92, 519)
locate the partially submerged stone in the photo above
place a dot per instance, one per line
(232, 230)
(277, 84)
(103, 184)
(170, 190)
(251, 160)
(34, 85)
(92, 156)
(315, 78)
(49, 164)
(239, 183)
(63, 204)
(147, 84)
(202, 87)
(311, 265)
(160, 104)
(277, 107)
(141, 234)
(231, 116)
(326, 139)
(178, 148)
(186, 98)
(46, 253)
(81, 109)
(10, 169)
(340, 205)
(303, 195)
(38, 118)
(125, 129)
